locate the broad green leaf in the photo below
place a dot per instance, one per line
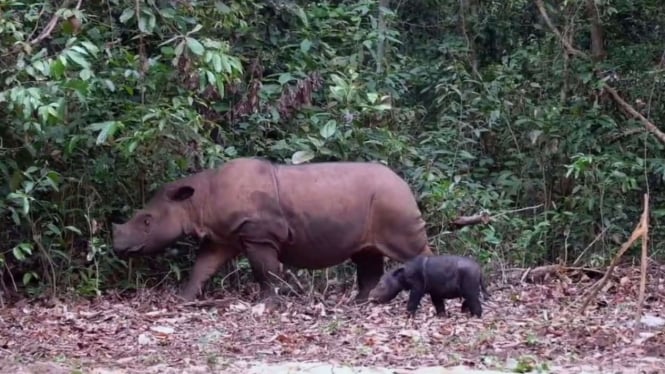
(285, 77)
(196, 28)
(143, 24)
(300, 157)
(222, 8)
(194, 45)
(305, 45)
(329, 129)
(73, 229)
(78, 59)
(85, 74)
(126, 15)
(217, 63)
(106, 129)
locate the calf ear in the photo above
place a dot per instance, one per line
(399, 273)
(180, 193)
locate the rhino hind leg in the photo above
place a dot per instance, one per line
(369, 269)
(208, 261)
(472, 304)
(439, 305)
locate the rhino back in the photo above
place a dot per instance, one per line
(329, 207)
(243, 191)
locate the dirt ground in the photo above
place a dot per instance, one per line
(525, 326)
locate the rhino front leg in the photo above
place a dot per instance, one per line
(209, 259)
(369, 269)
(265, 268)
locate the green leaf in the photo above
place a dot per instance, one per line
(329, 129)
(300, 157)
(54, 229)
(73, 229)
(196, 29)
(222, 8)
(106, 129)
(217, 63)
(126, 15)
(194, 45)
(143, 27)
(85, 74)
(78, 59)
(372, 96)
(285, 77)
(305, 45)
(57, 68)
(27, 277)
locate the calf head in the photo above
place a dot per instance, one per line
(160, 223)
(389, 286)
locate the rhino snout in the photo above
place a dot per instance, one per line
(123, 242)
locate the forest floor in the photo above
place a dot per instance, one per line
(535, 326)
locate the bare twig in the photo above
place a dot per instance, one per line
(52, 23)
(633, 112)
(485, 218)
(641, 230)
(475, 219)
(600, 235)
(643, 264)
(569, 48)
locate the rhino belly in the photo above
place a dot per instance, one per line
(320, 242)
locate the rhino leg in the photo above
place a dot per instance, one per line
(265, 268)
(439, 304)
(369, 269)
(209, 259)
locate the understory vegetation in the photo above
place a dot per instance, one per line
(543, 114)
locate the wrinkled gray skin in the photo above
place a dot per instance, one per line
(305, 216)
(442, 277)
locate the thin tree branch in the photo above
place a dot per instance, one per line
(629, 108)
(52, 23)
(571, 50)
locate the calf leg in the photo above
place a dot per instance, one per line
(472, 304)
(439, 305)
(415, 296)
(209, 259)
(465, 306)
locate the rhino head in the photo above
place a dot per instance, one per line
(161, 222)
(389, 286)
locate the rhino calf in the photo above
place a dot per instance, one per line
(442, 277)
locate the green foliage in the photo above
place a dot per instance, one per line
(109, 100)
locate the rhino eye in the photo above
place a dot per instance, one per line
(146, 221)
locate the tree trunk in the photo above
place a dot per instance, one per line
(466, 8)
(381, 43)
(597, 50)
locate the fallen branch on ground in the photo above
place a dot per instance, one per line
(484, 217)
(541, 273)
(475, 219)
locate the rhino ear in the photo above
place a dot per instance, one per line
(180, 193)
(399, 273)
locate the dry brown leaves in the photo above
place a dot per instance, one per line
(537, 322)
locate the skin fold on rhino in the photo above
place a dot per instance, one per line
(309, 216)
